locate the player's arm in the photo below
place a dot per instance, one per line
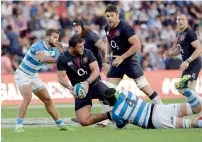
(43, 58)
(63, 79)
(101, 46)
(95, 72)
(136, 45)
(198, 50)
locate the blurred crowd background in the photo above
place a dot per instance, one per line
(25, 22)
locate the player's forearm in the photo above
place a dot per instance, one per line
(94, 75)
(131, 51)
(196, 54)
(48, 60)
(109, 50)
(175, 52)
(63, 82)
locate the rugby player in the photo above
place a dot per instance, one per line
(125, 43)
(80, 65)
(129, 108)
(28, 80)
(189, 47)
(96, 45)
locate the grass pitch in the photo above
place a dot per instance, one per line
(91, 133)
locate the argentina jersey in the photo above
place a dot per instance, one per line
(131, 108)
(30, 64)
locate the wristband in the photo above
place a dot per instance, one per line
(89, 81)
(189, 60)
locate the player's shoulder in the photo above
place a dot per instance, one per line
(124, 24)
(87, 52)
(38, 44)
(91, 34)
(64, 55)
(190, 31)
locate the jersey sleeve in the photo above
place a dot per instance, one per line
(128, 31)
(93, 37)
(59, 63)
(192, 36)
(120, 123)
(91, 57)
(56, 53)
(35, 47)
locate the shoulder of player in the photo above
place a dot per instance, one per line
(91, 34)
(124, 23)
(63, 55)
(38, 44)
(87, 51)
(190, 30)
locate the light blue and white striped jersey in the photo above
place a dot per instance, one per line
(132, 109)
(30, 64)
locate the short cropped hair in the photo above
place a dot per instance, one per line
(74, 40)
(49, 32)
(111, 8)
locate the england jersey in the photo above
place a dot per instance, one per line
(30, 64)
(132, 109)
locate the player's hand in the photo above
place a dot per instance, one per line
(166, 55)
(58, 45)
(86, 86)
(107, 59)
(117, 61)
(184, 65)
(71, 90)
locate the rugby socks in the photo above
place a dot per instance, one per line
(59, 122)
(199, 123)
(192, 98)
(155, 98)
(105, 108)
(19, 122)
(186, 123)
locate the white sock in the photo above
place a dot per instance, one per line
(157, 100)
(105, 108)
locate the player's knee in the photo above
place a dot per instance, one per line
(27, 99)
(47, 101)
(141, 82)
(84, 122)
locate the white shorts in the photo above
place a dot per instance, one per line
(22, 79)
(164, 116)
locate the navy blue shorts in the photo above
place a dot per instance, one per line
(193, 70)
(95, 91)
(131, 67)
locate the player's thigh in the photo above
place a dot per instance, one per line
(192, 84)
(23, 83)
(36, 83)
(83, 114)
(164, 116)
(115, 74)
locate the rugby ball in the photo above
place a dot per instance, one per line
(79, 90)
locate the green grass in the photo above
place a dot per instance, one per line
(92, 134)
(89, 134)
(64, 112)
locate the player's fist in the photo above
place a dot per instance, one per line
(166, 55)
(86, 86)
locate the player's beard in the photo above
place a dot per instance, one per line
(51, 44)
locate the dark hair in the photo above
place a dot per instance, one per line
(109, 95)
(74, 40)
(111, 8)
(81, 23)
(49, 32)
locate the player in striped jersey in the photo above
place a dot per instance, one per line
(28, 80)
(128, 108)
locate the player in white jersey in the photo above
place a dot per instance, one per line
(129, 108)
(28, 80)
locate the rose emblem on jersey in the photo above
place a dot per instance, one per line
(117, 33)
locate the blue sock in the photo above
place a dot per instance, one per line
(19, 121)
(192, 98)
(59, 121)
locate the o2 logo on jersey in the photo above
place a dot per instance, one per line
(180, 48)
(81, 72)
(114, 45)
